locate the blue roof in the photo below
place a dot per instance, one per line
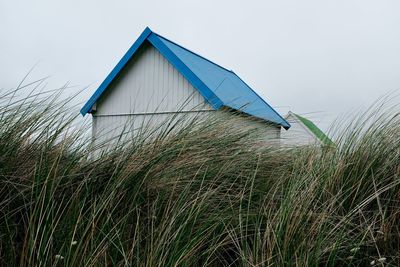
(219, 86)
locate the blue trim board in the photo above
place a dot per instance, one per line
(285, 124)
(212, 62)
(218, 85)
(113, 74)
(211, 98)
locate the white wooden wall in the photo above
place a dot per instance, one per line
(148, 93)
(298, 134)
(149, 84)
(110, 128)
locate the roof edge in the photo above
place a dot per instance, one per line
(156, 41)
(194, 53)
(115, 71)
(286, 125)
(174, 60)
(319, 134)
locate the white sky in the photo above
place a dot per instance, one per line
(318, 58)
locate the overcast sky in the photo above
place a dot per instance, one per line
(315, 57)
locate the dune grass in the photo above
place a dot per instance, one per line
(203, 195)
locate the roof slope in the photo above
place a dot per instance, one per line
(219, 86)
(315, 130)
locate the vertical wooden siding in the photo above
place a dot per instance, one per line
(297, 135)
(109, 128)
(150, 84)
(149, 92)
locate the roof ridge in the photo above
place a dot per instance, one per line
(230, 71)
(187, 64)
(194, 53)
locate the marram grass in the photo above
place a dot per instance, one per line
(203, 195)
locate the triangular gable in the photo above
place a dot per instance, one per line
(219, 86)
(317, 132)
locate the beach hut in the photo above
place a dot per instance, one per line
(303, 132)
(157, 78)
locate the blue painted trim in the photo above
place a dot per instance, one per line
(194, 53)
(156, 41)
(206, 92)
(285, 123)
(103, 86)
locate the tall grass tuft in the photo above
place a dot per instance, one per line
(203, 195)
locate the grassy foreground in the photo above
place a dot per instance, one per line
(202, 196)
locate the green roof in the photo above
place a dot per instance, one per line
(315, 130)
